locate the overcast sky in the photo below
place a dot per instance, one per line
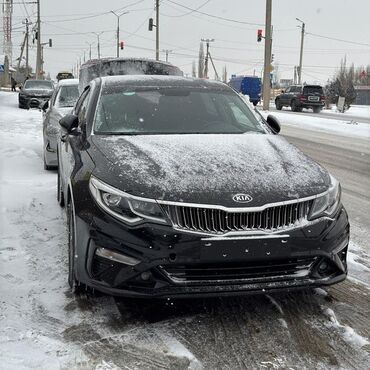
(181, 30)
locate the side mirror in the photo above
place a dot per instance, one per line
(45, 105)
(273, 123)
(282, 91)
(69, 122)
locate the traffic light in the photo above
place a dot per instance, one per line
(272, 58)
(122, 45)
(50, 43)
(151, 25)
(259, 35)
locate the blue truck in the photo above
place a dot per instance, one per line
(247, 85)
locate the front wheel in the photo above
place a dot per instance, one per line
(316, 109)
(278, 105)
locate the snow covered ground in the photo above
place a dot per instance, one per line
(43, 326)
(349, 128)
(355, 110)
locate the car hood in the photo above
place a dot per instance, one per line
(37, 92)
(207, 169)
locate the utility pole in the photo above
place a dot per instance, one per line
(38, 52)
(27, 48)
(267, 63)
(167, 52)
(98, 36)
(207, 41)
(88, 43)
(157, 30)
(118, 17)
(301, 52)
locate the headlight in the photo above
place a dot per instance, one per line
(123, 206)
(327, 204)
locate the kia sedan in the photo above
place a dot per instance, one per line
(61, 103)
(174, 187)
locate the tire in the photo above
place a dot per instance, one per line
(75, 285)
(47, 167)
(60, 194)
(278, 105)
(295, 107)
(316, 109)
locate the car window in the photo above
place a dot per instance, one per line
(38, 84)
(316, 90)
(167, 110)
(82, 107)
(67, 96)
(288, 90)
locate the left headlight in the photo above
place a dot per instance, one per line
(327, 204)
(126, 207)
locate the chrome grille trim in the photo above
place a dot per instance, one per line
(209, 220)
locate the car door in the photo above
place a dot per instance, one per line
(46, 114)
(69, 148)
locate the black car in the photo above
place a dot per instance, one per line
(301, 96)
(174, 187)
(34, 93)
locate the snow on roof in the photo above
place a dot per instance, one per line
(68, 81)
(161, 80)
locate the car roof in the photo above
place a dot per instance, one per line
(161, 81)
(68, 81)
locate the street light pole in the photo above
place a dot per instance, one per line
(38, 51)
(88, 43)
(157, 30)
(98, 36)
(267, 63)
(118, 17)
(301, 52)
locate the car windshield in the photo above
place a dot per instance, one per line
(40, 85)
(316, 90)
(184, 110)
(67, 96)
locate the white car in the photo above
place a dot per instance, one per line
(60, 104)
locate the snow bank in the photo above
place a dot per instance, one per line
(355, 110)
(338, 127)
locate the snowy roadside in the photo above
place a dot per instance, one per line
(355, 110)
(338, 127)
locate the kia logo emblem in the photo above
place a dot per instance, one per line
(242, 198)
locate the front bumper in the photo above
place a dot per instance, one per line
(29, 101)
(179, 264)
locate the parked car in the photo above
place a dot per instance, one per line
(174, 187)
(124, 66)
(301, 96)
(61, 103)
(34, 93)
(247, 85)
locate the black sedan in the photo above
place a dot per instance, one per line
(174, 187)
(34, 93)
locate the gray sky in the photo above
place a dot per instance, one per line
(181, 30)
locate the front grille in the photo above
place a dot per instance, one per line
(216, 221)
(234, 272)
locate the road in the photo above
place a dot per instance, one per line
(325, 114)
(43, 326)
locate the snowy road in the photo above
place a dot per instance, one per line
(42, 326)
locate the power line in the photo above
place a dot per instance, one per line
(336, 39)
(215, 16)
(188, 13)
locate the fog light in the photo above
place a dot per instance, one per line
(145, 275)
(323, 266)
(117, 257)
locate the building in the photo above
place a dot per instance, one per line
(363, 95)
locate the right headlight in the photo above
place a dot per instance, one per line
(123, 206)
(327, 204)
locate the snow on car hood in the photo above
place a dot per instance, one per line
(208, 169)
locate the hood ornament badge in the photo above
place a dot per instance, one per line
(242, 198)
